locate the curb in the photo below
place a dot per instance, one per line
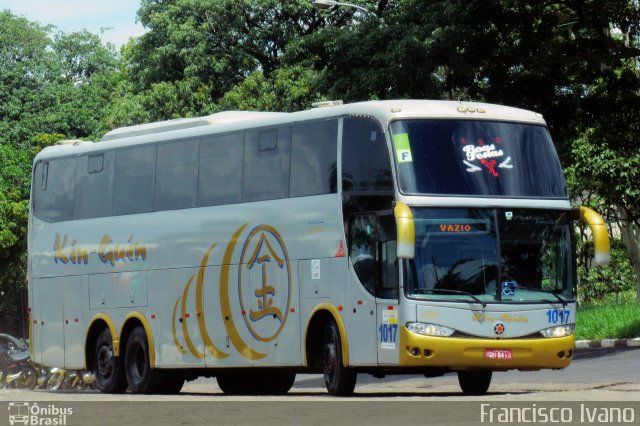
(608, 343)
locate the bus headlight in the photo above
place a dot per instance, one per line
(558, 331)
(429, 329)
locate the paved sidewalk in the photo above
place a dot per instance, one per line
(608, 343)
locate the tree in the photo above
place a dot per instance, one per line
(51, 87)
(195, 52)
(14, 209)
(544, 56)
(289, 89)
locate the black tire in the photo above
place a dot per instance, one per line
(172, 384)
(277, 383)
(107, 367)
(474, 382)
(339, 380)
(272, 383)
(140, 376)
(234, 384)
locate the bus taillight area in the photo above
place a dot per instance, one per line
(459, 353)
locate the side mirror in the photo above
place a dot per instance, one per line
(598, 228)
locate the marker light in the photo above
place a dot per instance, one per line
(429, 329)
(558, 331)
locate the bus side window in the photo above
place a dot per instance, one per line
(134, 180)
(267, 157)
(365, 157)
(94, 185)
(45, 175)
(220, 169)
(362, 249)
(39, 185)
(55, 195)
(388, 286)
(314, 158)
(176, 175)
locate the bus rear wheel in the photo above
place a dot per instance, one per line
(107, 367)
(140, 376)
(272, 383)
(172, 384)
(339, 380)
(474, 382)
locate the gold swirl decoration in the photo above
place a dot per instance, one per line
(226, 312)
(213, 350)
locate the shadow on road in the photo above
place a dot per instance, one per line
(600, 352)
(367, 395)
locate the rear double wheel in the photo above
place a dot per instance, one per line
(172, 384)
(108, 368)
(259, 383)
(140, 376)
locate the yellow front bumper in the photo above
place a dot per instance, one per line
(460, 353)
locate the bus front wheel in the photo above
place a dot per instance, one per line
(339, 380)
(107, 367)
(474, 382)
(140, 376)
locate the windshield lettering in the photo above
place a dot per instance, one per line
(476, 158)
(474, 153)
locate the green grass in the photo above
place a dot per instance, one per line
(608, 321)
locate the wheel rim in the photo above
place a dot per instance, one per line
(104, 361)
(330, 358)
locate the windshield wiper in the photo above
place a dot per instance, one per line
(560, 299)
(444, 290)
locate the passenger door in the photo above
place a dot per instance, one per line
(387, 291)
(372, 250)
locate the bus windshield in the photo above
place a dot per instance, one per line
(476, 158)
(492, 256)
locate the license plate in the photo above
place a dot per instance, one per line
(498, 354)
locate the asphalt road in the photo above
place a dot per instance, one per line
(602, 377)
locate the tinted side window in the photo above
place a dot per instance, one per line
(313, 158)
(134, 180)
(362, 250)
(365, 158)
(54, 186)
(94, 185)
(176, 175)
(220, 170)
(266, 165)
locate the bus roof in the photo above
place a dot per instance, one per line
(185, 123)
(384, 111)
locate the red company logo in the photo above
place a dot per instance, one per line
(498, 329)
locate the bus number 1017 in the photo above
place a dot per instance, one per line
(555, 316)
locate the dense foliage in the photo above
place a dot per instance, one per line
(575, 62)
